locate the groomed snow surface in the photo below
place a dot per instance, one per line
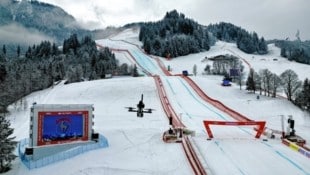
(135, 144)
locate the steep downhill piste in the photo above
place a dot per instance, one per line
(159, 73)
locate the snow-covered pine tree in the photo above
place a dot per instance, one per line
(303, 97)
(250, 83)
(134, 71)
(262, 46)
(7, 145)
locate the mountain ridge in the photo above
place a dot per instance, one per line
(36, 18)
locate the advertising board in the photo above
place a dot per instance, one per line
(62, 127)
(53, 124)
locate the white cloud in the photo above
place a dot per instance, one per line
(272, 19)
(17, 33)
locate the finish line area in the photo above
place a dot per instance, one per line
(260, 129)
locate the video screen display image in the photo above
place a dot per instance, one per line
(60, 128)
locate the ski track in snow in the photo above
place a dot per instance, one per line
(152, 68)
(224, 117)
(135, 144)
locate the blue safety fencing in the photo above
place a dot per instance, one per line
(31, 164)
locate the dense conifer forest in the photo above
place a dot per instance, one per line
(43, 65)
(175, 36)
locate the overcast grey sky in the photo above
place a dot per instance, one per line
(269, 18)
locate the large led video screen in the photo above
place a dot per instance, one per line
(62, 127)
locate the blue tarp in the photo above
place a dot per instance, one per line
(226, 83)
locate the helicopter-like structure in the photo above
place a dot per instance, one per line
(140, 108)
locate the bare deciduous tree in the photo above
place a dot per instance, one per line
(290, 83)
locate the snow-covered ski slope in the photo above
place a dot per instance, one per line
(235, 147)
(194, 110)
(272, 61)
(266, 108)
(135, 144)
(141, 59)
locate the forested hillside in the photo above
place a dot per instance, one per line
(44, 64)
(297, 50)
(247, 42)
(174, 36)
(42, 17)
(28, 22)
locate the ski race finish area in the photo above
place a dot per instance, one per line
(260, 130)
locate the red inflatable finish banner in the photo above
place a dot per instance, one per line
(260, 124)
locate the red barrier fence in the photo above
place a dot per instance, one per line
(187, 146)
(132, 57)
(166, 104)
(192, 157)
(199, 91)
(162, 66)
(234, 114)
